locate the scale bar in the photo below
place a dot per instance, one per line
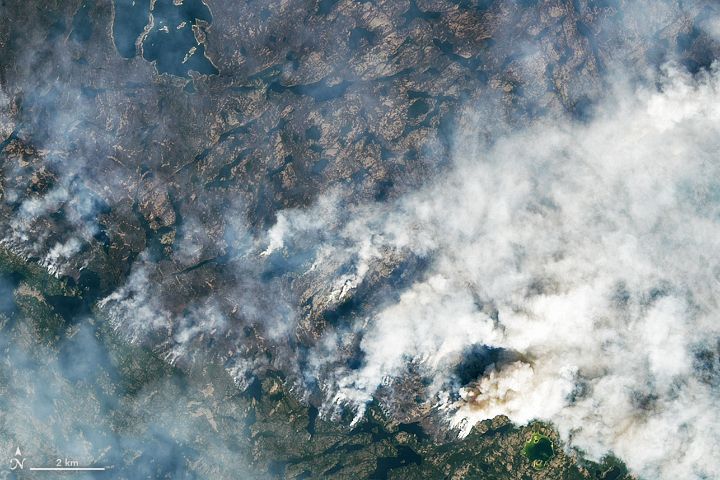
(68, 469)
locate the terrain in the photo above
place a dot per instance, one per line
(150, 149)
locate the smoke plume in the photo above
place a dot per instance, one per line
(594, 245)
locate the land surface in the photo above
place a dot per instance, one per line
(126, 142)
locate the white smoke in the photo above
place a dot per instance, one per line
(598, 244)
(135, 309)
(59, 253)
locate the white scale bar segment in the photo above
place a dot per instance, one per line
(68, 469)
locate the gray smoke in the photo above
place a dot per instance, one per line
(588, 248)
(78, 399)
(596, 243)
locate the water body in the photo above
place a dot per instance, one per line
(172, 42)
(406, 456)
(131, 16)
(312, 419)
(82, 24)
(539, 450)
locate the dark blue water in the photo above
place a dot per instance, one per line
(406, 456)
(413, 12)
(131, 16)
(171, 40)
(312, 419)
(81, 24)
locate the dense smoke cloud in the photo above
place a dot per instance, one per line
(586, 248)
(594, 243)
(583, 249)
